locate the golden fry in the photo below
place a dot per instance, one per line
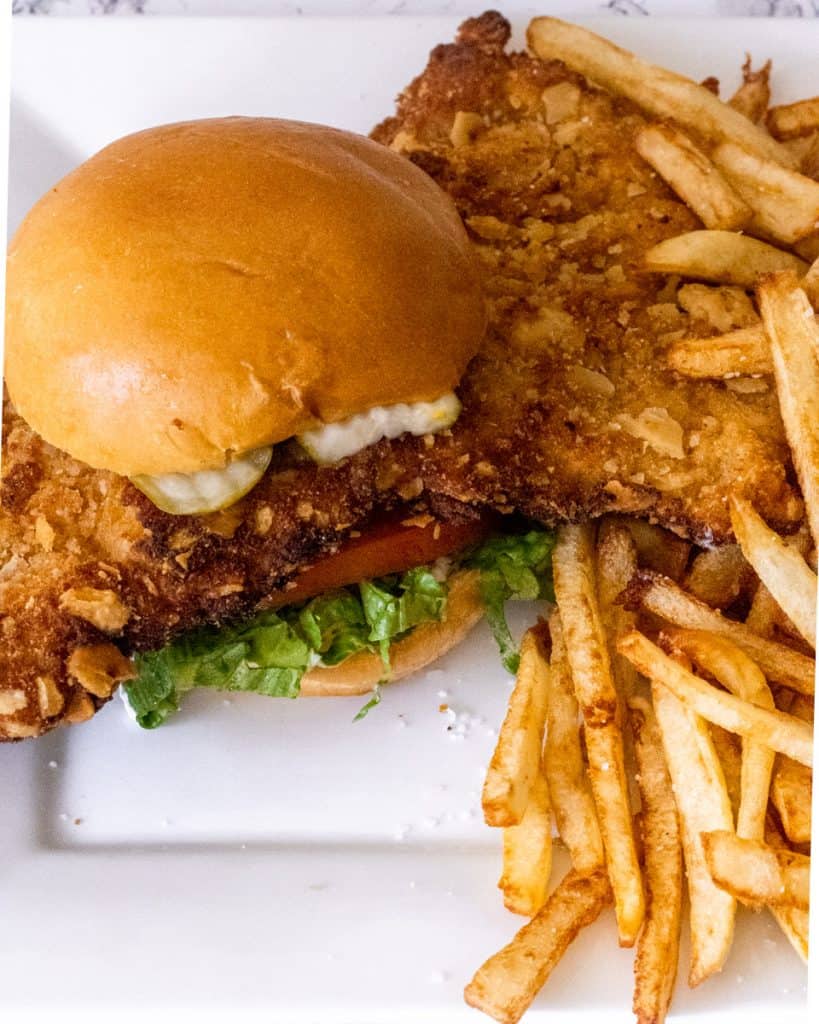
(756, 873)
(515, 763)
(764, 613)
(662, 93)
(809, 165)
(794, 337)
(785, 203)
(783, 733)
(666, 599)
(743, 351)
(718, 576)
(791, 795)
(586, 644)
(527, 855)
(506, 984)
(742, 677)
(703, 805)
(658, 549)
(616, 564)
(655, 962)
(792, 784)
(794, 119)
(810, 285)
(569, 786)
(794, 923)
(729, 751)
(781, 568)
(693, 177)
(720, 256)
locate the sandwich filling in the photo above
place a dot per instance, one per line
(301, 629)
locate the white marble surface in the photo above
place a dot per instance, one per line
(565, 8)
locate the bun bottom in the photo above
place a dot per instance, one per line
(426, 643)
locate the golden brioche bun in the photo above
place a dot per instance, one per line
(201, 289)
(425, 644)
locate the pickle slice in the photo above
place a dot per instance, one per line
(196, 494)
(335, 441)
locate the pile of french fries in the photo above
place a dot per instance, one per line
(662, 718)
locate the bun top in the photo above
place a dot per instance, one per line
(201, 289)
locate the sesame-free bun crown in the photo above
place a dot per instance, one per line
(201, 289)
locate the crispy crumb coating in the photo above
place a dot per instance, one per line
(570, 409)
(90, 567)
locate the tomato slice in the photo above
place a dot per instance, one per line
(386, 547)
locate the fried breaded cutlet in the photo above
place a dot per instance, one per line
(91, 568)
(570, 410)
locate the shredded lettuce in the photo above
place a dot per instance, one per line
(517, 567)
(374, 701)
(271, 653)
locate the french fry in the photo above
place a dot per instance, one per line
(794, 119)
(807, 248)
(780, 732)
(717, 576)
(719, 256)
(515, 763)
(764, 612)
(756, 873)
(569, 786)
(576, 594)
(663, 597)
(729, 751)
(505, 986)
(791, 795)
(662, 93)
(792, 784)
(743, 351)
(792, 329)
(658, 549)
(810, 284)
(794, 923)
(754, 95)
(809, 164)
(782, 569)
(703, 805)
(693, 177)
(785, 203)
(742, 677)
(616, 564)
(799, 147)
(527, 855)
(655, 961)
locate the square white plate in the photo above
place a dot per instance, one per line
(271, 857)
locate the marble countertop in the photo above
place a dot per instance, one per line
(564, 8)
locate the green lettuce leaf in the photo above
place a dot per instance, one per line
(334, 625)
(265, 656)
(374, 701)
(271, 653)
(517, 567)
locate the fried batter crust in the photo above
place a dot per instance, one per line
(86, 559)
(569, 409)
